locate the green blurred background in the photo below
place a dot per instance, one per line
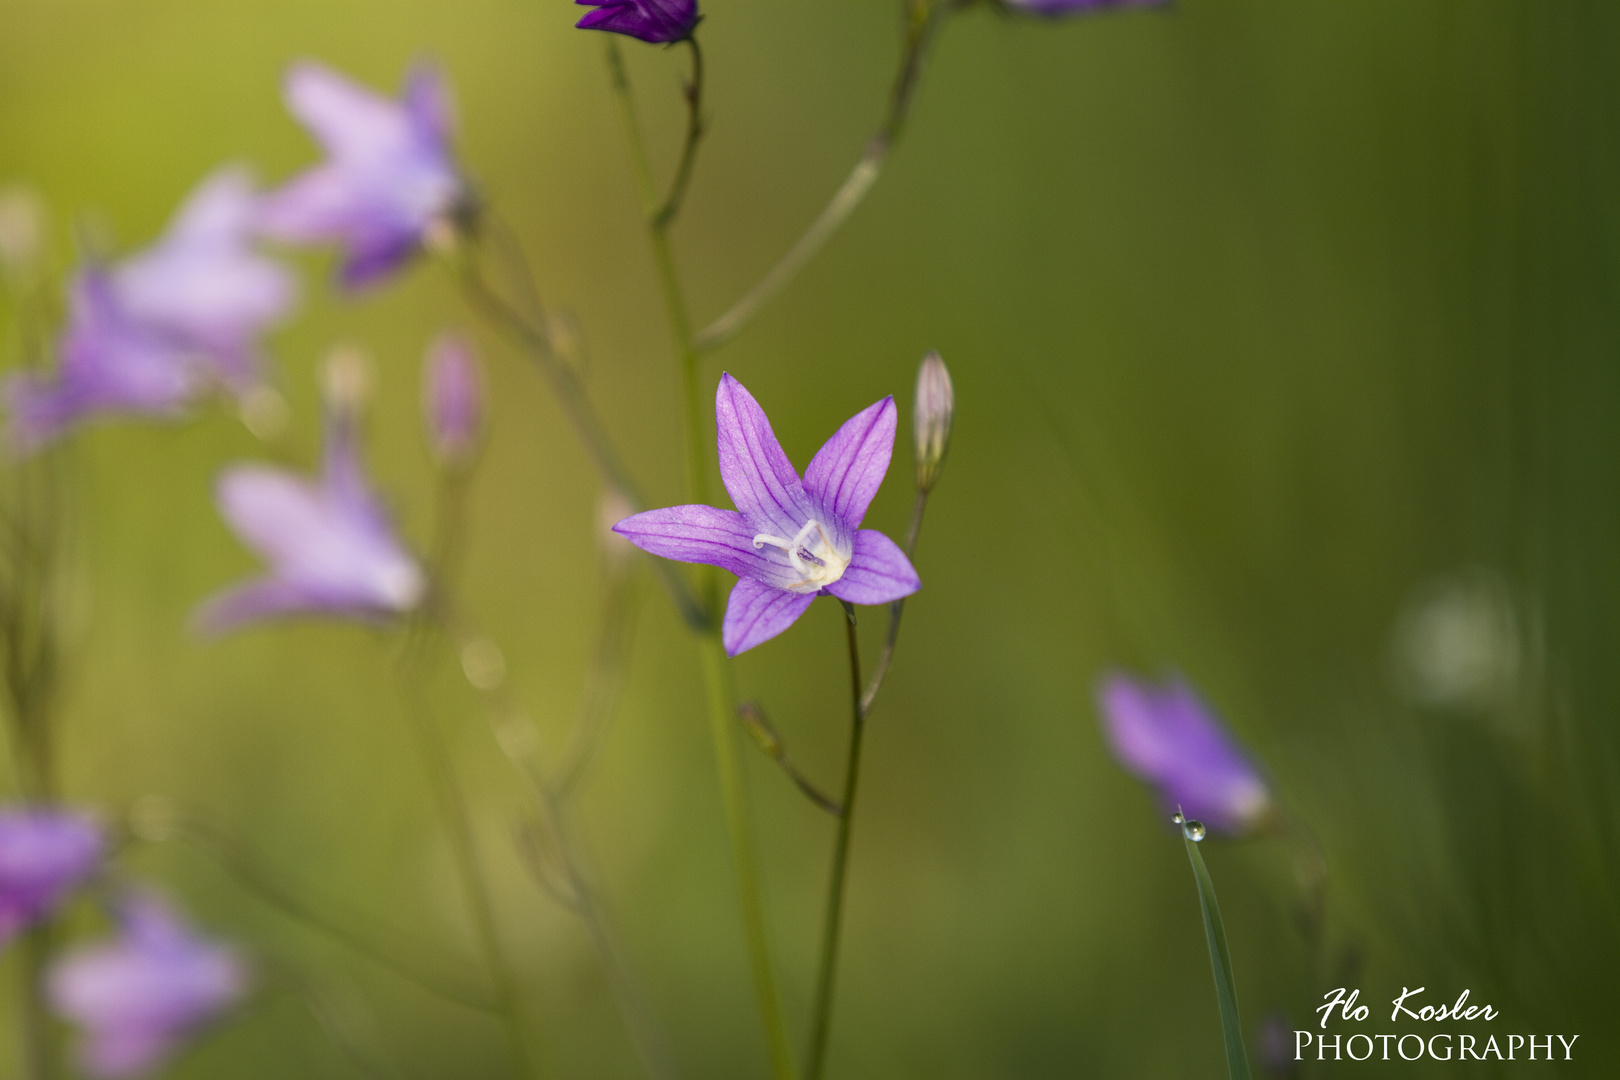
(1287, 356)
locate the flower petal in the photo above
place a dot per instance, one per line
(429, 105)
(756, 612)
(349, 120)
(878, 572)
(703, 534)
(263, 598)
(758, 475)
(849, 469)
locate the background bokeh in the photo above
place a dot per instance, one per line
(1287, 355)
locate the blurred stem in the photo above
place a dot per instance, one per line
(923, 20)
(531, 335)
(37, 1058)
(458, 827)
(1220, 962)
(519, 742)
(716, 678)
(827, 970)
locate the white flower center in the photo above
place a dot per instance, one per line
(815, 558)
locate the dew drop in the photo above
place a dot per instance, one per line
(1193, 830)
(1177, 818)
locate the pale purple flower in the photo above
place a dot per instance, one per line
(1076, 7)
(452, 397)
(656, 21)
(1168, 737)
(331, 546)
(139, 997)
(789, 540)
(389, 180)
(150, 335)
(44, 856)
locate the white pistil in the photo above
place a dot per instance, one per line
(817, 561)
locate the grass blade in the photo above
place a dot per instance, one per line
(1237, 1060)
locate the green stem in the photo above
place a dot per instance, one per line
(37, 1056)
(827, 971)
(716, 679)
(925, 20)
(458, 826)
(896, 609)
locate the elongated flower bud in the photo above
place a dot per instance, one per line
(452, 398)
(346, 381)
(932, 412)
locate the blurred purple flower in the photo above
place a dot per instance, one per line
(330, 544)
(656, 21)
(150, 335)
(44, 856)
(1168, 737)
(388, 181)
(452, 397)
(1077, 7)
(788, 541)
(138, 997)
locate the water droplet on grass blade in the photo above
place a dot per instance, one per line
(1192, 830)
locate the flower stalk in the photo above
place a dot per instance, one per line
(712, 658)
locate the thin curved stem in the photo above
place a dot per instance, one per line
(694, 135)
(919, 35)
(716, 677)
(827, 969)
(896, 609)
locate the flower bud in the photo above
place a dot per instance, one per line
(452, 398)
(22, 229)
(932, 412)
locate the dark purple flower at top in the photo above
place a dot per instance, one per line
(1076, 7)
(789, 540)
(153, 333)
(139, 997)
(657, 21)
(44, 856)
(1170, 738)
(388, 182)
(330, 544)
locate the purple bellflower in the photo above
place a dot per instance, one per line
(389, 182)
(152, 334)
(44, 856)
(331, 546)
(789, 540)
(1167, 736)
(1053, 8)
(655, 21)
(141, 995)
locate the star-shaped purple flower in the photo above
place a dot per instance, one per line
(44, 856)
(139, 997)
(331, 546)
(388, 180)
(656, 21)
(153, 333)
(1170, 738)
(789, 540)
(1076, 7)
